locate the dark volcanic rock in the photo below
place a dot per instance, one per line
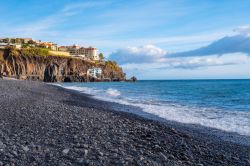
(51, 73)
(75, 78)
(132, 79)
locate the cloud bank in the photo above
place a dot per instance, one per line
(214, 54)
(150, 56)
(141, 54)
(197, 62)
(230, 44)
(243, 30)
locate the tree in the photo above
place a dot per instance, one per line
(25, 46)
(101, 56)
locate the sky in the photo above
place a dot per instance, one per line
(151, 39)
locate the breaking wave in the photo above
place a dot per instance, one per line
(227, 120)
(113, 92)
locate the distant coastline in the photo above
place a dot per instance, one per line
(48, 62)
(37, 64)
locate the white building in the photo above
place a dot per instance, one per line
(4, 45)
(94, 72)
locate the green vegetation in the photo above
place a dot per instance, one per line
(101, 56)
(26, 46)
(34, 52)
(12, 51)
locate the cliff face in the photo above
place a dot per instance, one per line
(54, 69)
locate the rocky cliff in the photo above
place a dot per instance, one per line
(54, 68)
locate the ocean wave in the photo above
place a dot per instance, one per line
(113, 92)
(231, 121)
(228, 121)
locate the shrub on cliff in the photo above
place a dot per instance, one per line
(34, 52)
(112, 65)
(12, 51)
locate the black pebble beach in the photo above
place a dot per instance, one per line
(41, 124)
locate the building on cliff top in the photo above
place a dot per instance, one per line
(49, 45)
(15, 40)
(22, 42)
(4, 45)
(89, 53)
(77, 51)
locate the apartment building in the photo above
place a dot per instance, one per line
(75, 50)
(94, 72)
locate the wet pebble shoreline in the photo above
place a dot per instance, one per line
(44, 125)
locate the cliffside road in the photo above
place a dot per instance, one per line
(44, 125)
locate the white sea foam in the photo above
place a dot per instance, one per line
(86, 90)
(113, 92)
(230, 121)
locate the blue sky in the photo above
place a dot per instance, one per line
(146, 36)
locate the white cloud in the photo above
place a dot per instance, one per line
(152, 54)
(191, 62)
(151, 59)
(239, 43)
(188, 66)
(208, 61)
(243, 30)
(81, 5)
(142, 54)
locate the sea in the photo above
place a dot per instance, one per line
(219, 104)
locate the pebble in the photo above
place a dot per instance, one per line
(15, 153)
(173, 130)
(171, 157)
(85, 146)
(80, 160)
(2, 145)
(25, 148)
(85, 153)
(87, 162)
(65, 151)
(100, 153)
(164, 157)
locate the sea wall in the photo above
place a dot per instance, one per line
(55, 68)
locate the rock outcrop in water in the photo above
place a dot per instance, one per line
(55, 68)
